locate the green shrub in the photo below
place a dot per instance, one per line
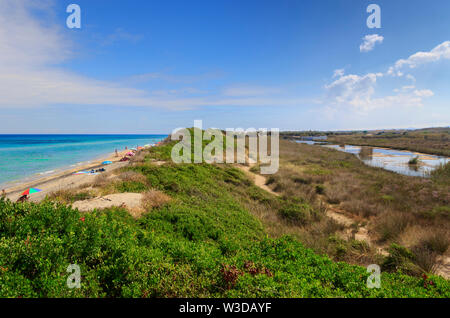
(414, 161)
(400, 259)
(320, 189)
(299, 213)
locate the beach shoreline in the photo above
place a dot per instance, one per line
(65, 178)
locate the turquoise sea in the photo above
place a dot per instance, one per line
(25, 157)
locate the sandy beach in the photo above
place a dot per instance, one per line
(65, 179)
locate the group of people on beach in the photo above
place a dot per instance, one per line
(24, 197)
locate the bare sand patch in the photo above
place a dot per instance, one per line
(127, 200)
(135, 203)
(443, 265)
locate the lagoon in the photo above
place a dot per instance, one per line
(390, 159)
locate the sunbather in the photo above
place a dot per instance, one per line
(23, 198)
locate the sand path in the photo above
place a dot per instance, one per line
(260, 181)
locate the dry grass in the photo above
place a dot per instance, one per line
(389, 203)
(154, 199)
(320, 233)
(100, 180)
(109, 183)
(139, 157)
(436, 240)
(131, 176)
(424, 258)
(390, 225)
(71, 195)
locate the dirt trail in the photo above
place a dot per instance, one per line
(361, 234)
(260, 181)
(443, 265)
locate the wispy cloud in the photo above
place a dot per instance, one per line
(440, 52)
(120, 35)
(171, 78)
(247, 90)
(369, 42)
(338, 72)
(33, 74)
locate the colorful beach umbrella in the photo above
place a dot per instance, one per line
(80, 172)
(106, 162)
(31, 191)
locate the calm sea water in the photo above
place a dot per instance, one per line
(31, 156)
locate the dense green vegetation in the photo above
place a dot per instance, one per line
(203, 243)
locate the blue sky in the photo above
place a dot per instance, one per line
(152, 66)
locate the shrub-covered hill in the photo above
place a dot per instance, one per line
(202, 243)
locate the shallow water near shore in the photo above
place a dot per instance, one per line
(24, 157)
(390, 159)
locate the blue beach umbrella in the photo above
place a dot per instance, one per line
(106, 162)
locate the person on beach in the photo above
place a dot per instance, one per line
(3, 193)
(23, 198)
(117, 154)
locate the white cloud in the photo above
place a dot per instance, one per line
(338, 72)
(358, 93)
(423, 93)
(26, 43)
(32, 51)
(411, 78)
(442, 51)
(352, 89)
(370, 41)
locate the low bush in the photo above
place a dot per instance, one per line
(391, 225)
(154, 199)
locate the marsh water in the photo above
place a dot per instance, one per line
(390, 159)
